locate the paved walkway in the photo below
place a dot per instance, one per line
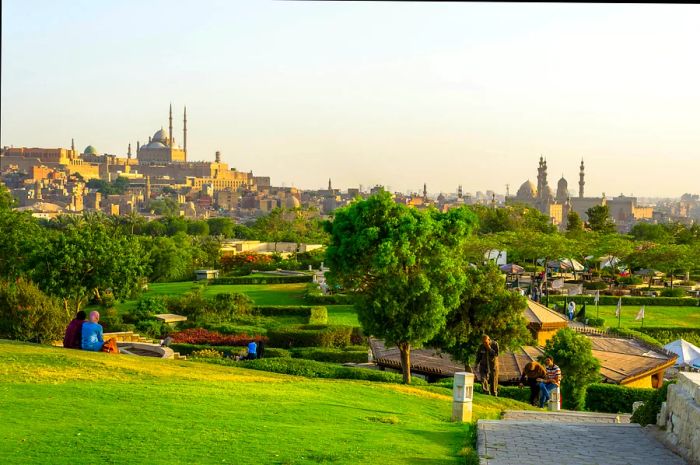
(566, 416)
(557, 443)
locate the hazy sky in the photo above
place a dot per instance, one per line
(369, 93)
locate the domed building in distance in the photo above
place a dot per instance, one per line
(161, 147)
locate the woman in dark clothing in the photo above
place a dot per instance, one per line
(74, 332)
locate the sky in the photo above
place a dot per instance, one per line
(367, 93)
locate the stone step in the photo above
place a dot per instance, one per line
(565, 416)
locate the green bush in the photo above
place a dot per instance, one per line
(146, 308)
(612, 300)
(612, 398)
(311, 336)
(272, 279)
(595, 285)
(597, 322)
(27, 314)
(511, 392)
(111, 320)
(314, 369)
(346, 355)
(275, 352)
(666, 335)
(646, 414)
(187, 349)
(357, 338)
(675, 292)
(627, 332)
(314, 295)
(318, 316)
(630, 280)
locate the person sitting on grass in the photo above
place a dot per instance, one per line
(252, 350)
(551, 381)
(74, 332)
(92, 336)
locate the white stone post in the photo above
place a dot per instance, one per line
(462, 396)
(555, 400)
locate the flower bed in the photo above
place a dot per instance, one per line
(214, 338)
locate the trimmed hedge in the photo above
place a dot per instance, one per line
(346, 355)
(314, 295)
(314, 369)
(666, 335)
(612, 398)
(316, 315)
(511, 392)
(596, 322)
(595, 285)
(187, 349)
(311, 336)
(262, 279)
(626, 332)
(275, 352)
(612, 300)
(646, 414)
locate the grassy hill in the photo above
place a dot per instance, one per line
(64, 407)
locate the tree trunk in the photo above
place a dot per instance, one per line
(405, 349)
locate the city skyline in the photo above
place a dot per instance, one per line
(393, 94)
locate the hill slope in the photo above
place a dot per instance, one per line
(64, 406)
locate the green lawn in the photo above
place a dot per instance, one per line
(342, 315)
(653, 316)
(62, 406)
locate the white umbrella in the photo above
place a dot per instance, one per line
(688, 354)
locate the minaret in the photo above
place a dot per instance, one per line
(459, 191)
(170, 126)
(540, 169)
(148, 188)
(72, 147)
(425, 191)
(217, 157)
(330, 187)
(138, 147)
(184, 133)
(128, 153)
(581, 182)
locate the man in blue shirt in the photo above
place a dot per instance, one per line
(252, 350)
(92, 333)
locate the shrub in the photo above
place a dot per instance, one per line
(27, 314)
(314, 295)
(666, 335)
(314, 369)
(311, 336)
(275, 352)
(187, 349)
(228, 305)
(595, 285)
(207, 353)
(203, 336)
(511, 392)
(272, 279)
(597, 322)
(346, 355)
(646, 414)
(675, 292)
(612, 398)
(111, 320)
(145, 309)
(572, 352)
(318, 316)
(153, 328)
(648, 301)
(630, 280)
(627, 332)
(357, 337)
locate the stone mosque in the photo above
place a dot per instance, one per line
(623, 210)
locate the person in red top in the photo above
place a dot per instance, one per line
(74, 332)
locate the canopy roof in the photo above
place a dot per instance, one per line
(688, 354)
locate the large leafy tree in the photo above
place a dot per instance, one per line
(401, 264)
(20, 237)
(572, 352)
(27, 314)
(599, 219)
(82, 262)
(486, 307)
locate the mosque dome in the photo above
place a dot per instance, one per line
(292, 202)
(155, 145)
(160, 136)
(527, 190)
(90, 150)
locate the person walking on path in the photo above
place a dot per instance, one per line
(252, 350)
(487, 362)
(533, 374)
(572, 310)
(551, 381)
